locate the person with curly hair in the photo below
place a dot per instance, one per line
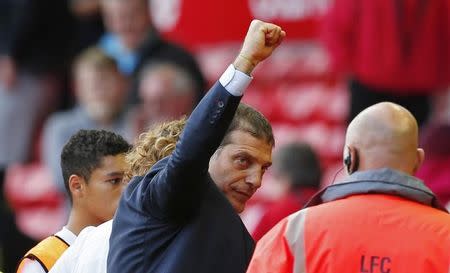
(90, 250)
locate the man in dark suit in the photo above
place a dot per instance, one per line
(182, 216)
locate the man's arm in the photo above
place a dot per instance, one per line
(183, 179)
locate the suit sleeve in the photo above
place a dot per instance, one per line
(177, 188)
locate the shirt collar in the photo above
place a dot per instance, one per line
(381, 181)
(66, 235)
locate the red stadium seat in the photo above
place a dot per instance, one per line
(38, 205)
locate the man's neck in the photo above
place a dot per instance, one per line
(78, 221)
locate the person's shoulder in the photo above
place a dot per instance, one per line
(86, 231)
(103, 228)
(29, 265)
(62, 119)
(81, 240)
(436, 216)
(47, 251)
(42, 244)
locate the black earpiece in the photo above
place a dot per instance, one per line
(350, 164)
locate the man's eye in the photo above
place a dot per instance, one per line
(115, 181)
(242, 161)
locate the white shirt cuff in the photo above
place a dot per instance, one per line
(235, 81)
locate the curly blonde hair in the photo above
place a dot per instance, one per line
(155, 144)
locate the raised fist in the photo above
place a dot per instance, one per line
(261, 40)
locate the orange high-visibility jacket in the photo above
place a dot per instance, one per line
(378, 221)
(47, 252)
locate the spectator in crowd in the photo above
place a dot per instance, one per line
(88, 23)
(90, 251)
(396, 51)
(32, 58)
(435, 170)
(34, 38)
(166, 92)
(182, 216)
(132, 40)
(101, 92)
(93, 165)
(296, 168)
(435, 137)
(386, 213)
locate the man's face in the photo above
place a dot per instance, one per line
(104, 187)
(238, 168)
(128, 19)
(101, 92)
(161, 99)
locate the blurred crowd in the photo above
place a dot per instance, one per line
(67, 65)
(71, 65)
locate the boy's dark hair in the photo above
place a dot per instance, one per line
(85, 150)
(249, 120)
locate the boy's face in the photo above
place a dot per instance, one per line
(102, 191)
(100, 91)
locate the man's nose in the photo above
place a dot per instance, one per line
(254, 178)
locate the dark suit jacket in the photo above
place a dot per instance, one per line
(175, 219)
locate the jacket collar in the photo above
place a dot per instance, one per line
(381, 181)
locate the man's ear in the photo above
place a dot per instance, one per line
(76, 186)
(420, 155)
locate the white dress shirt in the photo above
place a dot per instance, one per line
(89, 252)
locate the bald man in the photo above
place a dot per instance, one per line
(380, 219)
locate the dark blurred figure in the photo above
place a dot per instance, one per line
(296, 168)
(33, 64)
(34, 52)
(394, 51)
(132, 40)
(39, 38)
(88, 23)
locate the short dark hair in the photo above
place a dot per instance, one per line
(299, 163)
(249, 120)
(85, 150)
